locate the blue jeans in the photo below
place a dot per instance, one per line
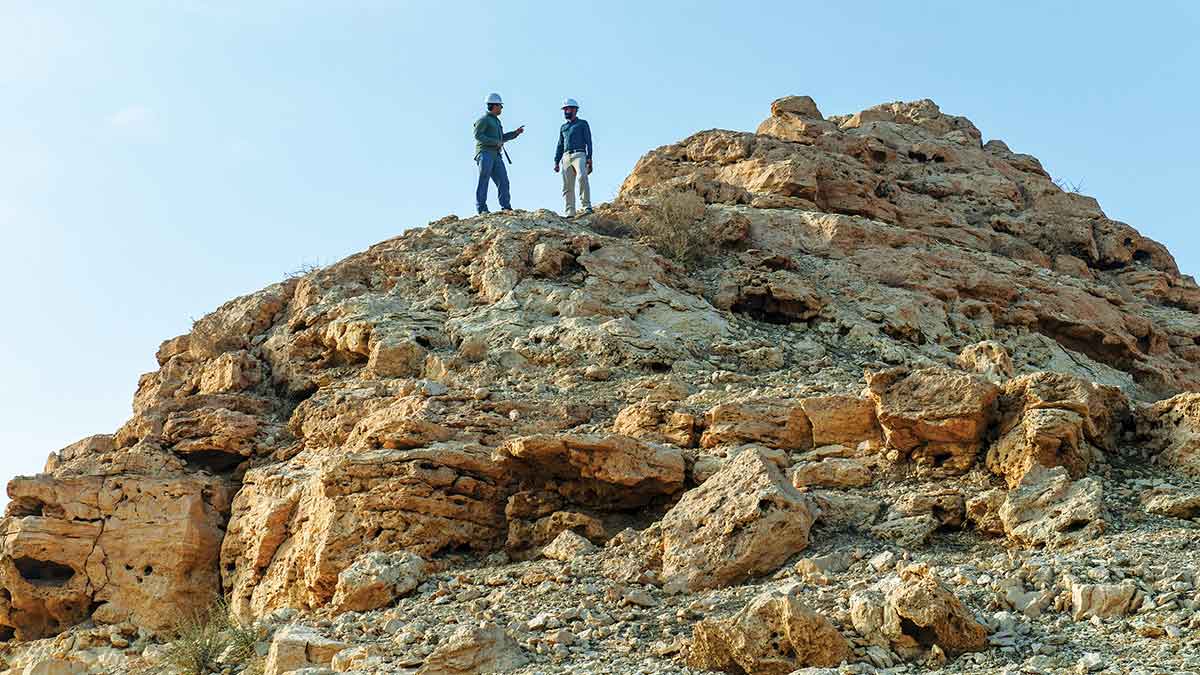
(491, 167)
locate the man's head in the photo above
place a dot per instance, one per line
(570, 108)
(494, 103)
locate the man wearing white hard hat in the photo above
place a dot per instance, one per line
(489, 143)
(574, 154)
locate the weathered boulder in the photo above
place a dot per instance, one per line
(656, 422)
(774, 634)
(1171, 501)
(913, 612)
(1102, 600)
(474, 650)
(744, 521)
(297, 646)
(775, 424)
(936, 416)
(376, 580)
(123, 548)
(832, 472)
(568, 546)
(1172, 428)
(841, 420)
(1049, 509)
(1055, 419)
(988, 359)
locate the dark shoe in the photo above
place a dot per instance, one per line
(481, 212)
(588, 211)
(507, 208)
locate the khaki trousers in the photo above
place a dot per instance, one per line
(575, 163)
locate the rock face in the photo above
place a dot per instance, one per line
(578, 397)
(774, 635)
(744, 521)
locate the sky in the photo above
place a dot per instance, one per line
(160, 157)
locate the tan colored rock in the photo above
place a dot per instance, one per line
(774, 634)
(936, 416)
(1102, 600)
(775, 424)
(568, 546)
(111, 549)
(744, 521)
(983, 511)
(841, 420)
(1055, 419)
(988, 359)
(845, 510)
(54, 666)
(946, 505)
(376, 580)
(834, 472)
(907, 531)
(1168, 500)
(473, 650)
(297, 646)
(913, 612)
(1049, 509)
(1172, 427)
(656, 422)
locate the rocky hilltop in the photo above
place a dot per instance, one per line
(847, 394)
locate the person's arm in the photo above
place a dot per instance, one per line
(587, 139)
(513, 134)
(558, 152)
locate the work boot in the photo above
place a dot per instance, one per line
(588, 211)
(569, 214)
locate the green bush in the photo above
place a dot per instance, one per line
(202, 637)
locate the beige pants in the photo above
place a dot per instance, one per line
(575, 163)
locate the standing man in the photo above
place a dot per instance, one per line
(489, 144)
(574, 146)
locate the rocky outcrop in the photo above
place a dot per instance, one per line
(475, 649)
(377, 579)
(746, 520)
(912, 612)
(1172, 428)
(774, 634)
(936, 417)
(1049, 509)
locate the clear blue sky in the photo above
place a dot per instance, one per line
(158, 158)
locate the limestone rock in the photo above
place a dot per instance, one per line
(945, 505)
(1102, 600)
(1049, 509)
(473, 650)
(936, 416)
(913, 612)
(745, 520)
(1173, 428)
(376, 580)
(1171, 501)
(774, 634)
(834, 472)
(568, 546)
(656, 422)
(907, 531)
(113, 549)
(775, 424)
(297, 646)
(841, 420)
(989, 359)
(983, 511)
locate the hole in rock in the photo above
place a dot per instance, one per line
(1075, 526)
(26, 506)
(424, 342)
(7, 633)
(214, 461)
(1141, 257)
(925, 637)
(43, 572)
(657, 367)
(148, 570)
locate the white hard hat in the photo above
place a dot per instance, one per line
(570, 103)
(493, 98)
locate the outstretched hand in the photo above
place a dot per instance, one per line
(556, 167)
(589, 167)
(520, 129)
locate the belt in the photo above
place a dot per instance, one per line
(572, 152)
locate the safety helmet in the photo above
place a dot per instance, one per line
(570, 103)
(493, 98)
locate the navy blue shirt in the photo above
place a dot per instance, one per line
(574, 136)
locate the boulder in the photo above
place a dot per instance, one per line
(935, 416)
(1049, 509)
(1102, 600)
(568, 546)
(127, 548)
(745, 520)
(1172, 429)
(775, 424)
(988, 359)
(913, 612)
(945, 505)
(774, 634)
(297, 646)
(657, 422)
(841, 420)
(983, 511)
(376, 580)
(1166, 500)
(833, 472)
(473, 650)
(907, 531)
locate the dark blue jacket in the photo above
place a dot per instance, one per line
(574, 136)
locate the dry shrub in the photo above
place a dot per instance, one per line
(673, 225)
(204, 636)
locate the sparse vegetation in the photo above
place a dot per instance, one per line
(673, 225)
(1068, 185)
(303, 270)
(204, 637)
